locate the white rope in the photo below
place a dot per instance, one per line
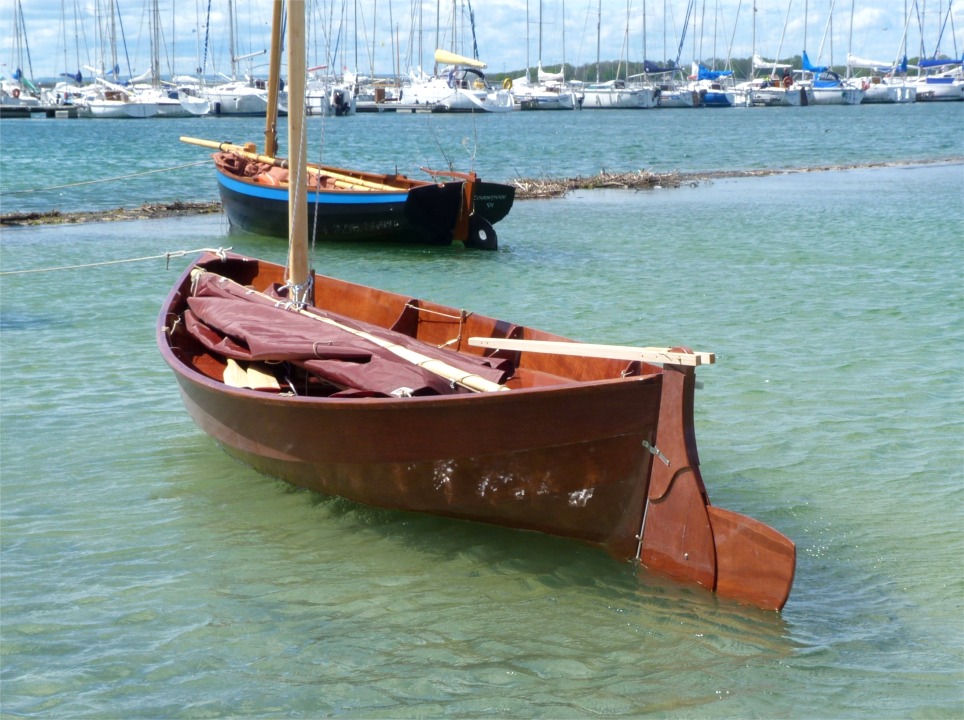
(168, 255)
(110, 179)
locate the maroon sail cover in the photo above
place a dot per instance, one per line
(234, 323)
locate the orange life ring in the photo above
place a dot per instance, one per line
(787, 81)
(16, 92)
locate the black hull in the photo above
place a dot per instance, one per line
(493, 200)
(422, 215)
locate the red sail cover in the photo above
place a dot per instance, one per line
(245, 326)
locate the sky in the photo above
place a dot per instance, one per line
(61, 35)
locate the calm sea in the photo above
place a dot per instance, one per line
(147, 575)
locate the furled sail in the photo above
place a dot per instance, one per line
(760, 64)
(447, 58)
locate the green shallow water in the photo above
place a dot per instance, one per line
(146, 574)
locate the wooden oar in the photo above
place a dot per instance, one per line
(437, 367)
(280, 162)
(610, 352)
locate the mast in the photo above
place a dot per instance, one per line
(527, 40)
(563, 39)
(113, 42)
(598, 32)
(645, 75)
(850, 38)
(274, 81)
(155, 23)
(729, 49)
(786, 21)
(231, 49)
(540, 32)
(753, 43)
(625, 47)
(299, 278)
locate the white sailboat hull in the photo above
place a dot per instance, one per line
(117, 109)
(236, 99)
(615, 98)
(890, 93)
(838, 95)
(793, 96)
(935, 89)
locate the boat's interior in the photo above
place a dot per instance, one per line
(438, 326)
(319, 177)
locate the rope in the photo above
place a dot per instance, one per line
(168, 255)
(120, 177)
(461, 317)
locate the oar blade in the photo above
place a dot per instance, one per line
(754, 562)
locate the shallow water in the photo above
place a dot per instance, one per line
(146, 574)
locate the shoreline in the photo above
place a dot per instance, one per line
(526, 189)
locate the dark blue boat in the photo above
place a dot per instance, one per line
(352, 205)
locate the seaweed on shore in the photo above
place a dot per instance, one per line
(528, 188)
(144, 212)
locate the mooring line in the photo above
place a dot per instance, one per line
(111, 179)
(220, 252)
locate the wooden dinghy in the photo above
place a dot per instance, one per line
(514, 427)
(402, 403)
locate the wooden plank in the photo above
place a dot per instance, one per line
(352, 182)
(610, 352)
(252, 377)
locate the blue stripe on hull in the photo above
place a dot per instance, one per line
(266, 192)
(427, 214)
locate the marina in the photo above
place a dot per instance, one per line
(439, 68)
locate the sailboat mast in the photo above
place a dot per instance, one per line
(438, 21)
(540, 33)
(113, 42)
(786, 21)
(598, 35)
(274, 81)
(645, 74)
(155, 23)
(298, 271)
(528, 23)
(231, 49)
(563, 39)
(753, 42)
(850, 38)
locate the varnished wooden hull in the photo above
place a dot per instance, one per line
(602, 451)
(571, 464)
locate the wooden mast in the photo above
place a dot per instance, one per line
(274, 82)
(298, 271)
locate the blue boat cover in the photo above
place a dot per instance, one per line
(707, 74)
(809, 67)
